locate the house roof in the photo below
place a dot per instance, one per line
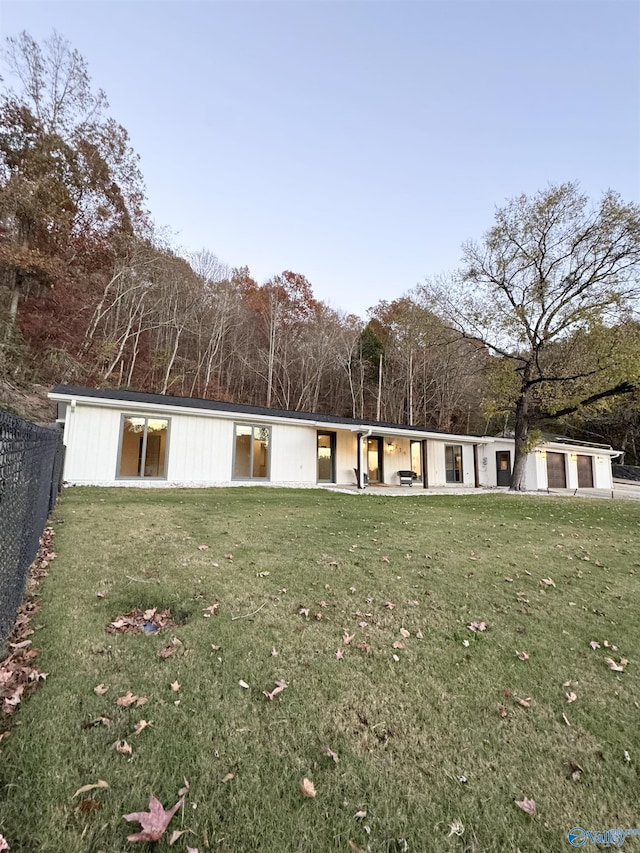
(142, 397)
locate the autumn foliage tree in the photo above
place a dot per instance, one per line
(549, 290)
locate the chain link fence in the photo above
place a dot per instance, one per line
(31, 460)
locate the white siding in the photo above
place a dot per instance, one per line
(293, 454)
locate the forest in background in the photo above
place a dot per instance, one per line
(91, 293)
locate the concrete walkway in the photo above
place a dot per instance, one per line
(620, 491)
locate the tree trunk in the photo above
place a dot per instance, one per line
(519, 473)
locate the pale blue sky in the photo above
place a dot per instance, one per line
(358, 143)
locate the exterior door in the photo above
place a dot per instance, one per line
(556, 471)
(503, 467)
(326, 457)
(585, 472)
(374, 460)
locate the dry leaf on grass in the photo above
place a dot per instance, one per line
(594, 645)
(406, 634)
(527, 805)
(346, 638)
(398, 645)
(89, 805)
(364, 647)
(339, 654)
(203, 547)
(356, 847)
(154, 822)
(175, 835)
(304, 611)
(4, 844)
(83, 790)
(616, 667)
(522, 655)
(331, 754)
(175, 686)
(243, 684)
(100, 690)
(525, 703)
(211, 610)
(359, 815)
(280, 686)
(571, 697)
(477, 626)
(228, 777)
(389, 605)
(123, 747)
(141, 725)
(502, 711)
(130, 698)
(274, 652)
(170, 649)
(548, 582)
(307, 788)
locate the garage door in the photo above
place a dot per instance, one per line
(585, 472)
(556, 475)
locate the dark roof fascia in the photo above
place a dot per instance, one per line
(142, 397)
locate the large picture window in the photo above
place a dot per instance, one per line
(143, 447)
(453, 462)
(251, 452)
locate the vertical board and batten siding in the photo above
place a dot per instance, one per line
(293, 454)
(91, 438)
(200, 449)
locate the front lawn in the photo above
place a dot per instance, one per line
(418, 733)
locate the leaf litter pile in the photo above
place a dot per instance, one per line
(311, 670)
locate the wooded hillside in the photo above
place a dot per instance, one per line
(91, 294)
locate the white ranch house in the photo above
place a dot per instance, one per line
(116, 437)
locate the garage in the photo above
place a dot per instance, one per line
(556, 471)
(585, 471)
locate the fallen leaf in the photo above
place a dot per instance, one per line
(477, 626)
(331, 754)
(304, 611)
(616, 667)
(83, 790)
(571, 697)
(362, 624)
(527, 805)
(405, 633)
(360, 814)
(548, 582)
(243, 684)
(356, 847)
(105, 721)
(154, 822)
(228, 556)
(307, 788)
(398, 645)
(364, 647)
(140, 726)
(170, 649)
(228, 777)
(274, 652)
(627, 757)
(123, 747)
(419, 634)
(130, 699)
(211, 610)
(100, 690)
(385, 559)
(346, 638)
(339, 654)
(192, 849)
(465, 643)
(185, 788)
(502, 711)
(526, 703)
(215, 648)
(280, 686)
(4, 844)
(389, 605)
(88, 806)
(175, 835)
(522, 655)
(175, 686)
(203, 547)
(594, 645)
(396, 658)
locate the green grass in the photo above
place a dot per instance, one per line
(405, 732)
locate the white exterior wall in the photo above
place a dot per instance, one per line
(201, 447)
